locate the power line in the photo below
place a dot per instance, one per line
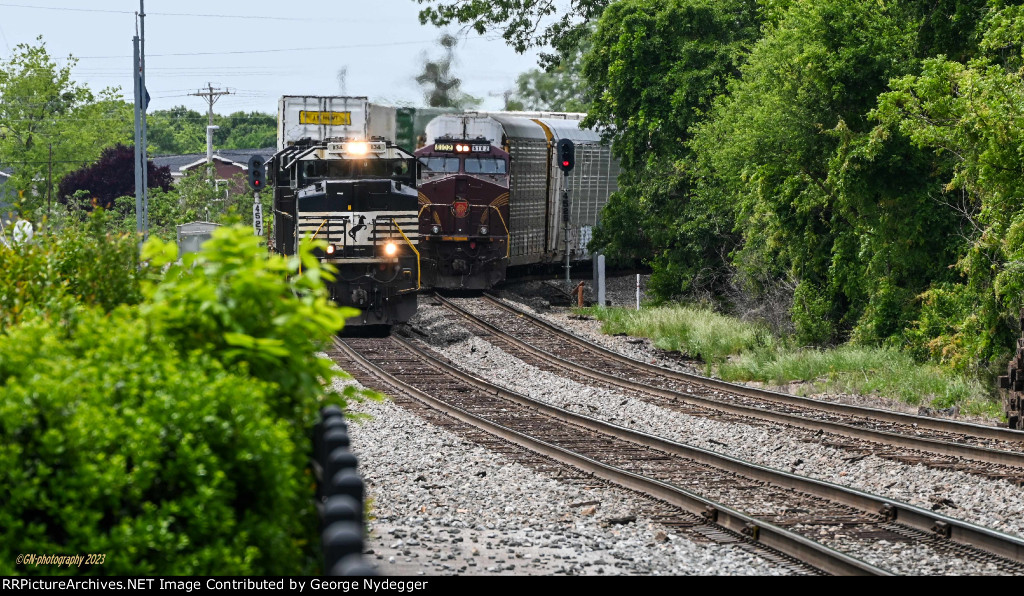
(169, 14)
(310, 49)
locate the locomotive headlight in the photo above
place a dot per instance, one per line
(483, 230)
(390, 249)
(330, 249)
(435, 229)
(358, 148)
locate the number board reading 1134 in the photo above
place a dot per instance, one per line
(458, 147)
(326, 118)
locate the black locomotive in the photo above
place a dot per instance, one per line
(360, 197)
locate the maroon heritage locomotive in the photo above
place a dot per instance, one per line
(464, 213)
(490, 191)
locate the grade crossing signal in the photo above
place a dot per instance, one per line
(566, 155)
(257, 173)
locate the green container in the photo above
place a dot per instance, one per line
(411, 123)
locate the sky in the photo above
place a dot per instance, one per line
(258, 49)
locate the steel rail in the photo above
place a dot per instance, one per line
(967, 428)
(998, 543)
(765, 533)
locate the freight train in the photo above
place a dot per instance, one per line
(338, 177)
(490, 193)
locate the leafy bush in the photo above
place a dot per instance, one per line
(244, 308)
(80, 263)
(173, 434)
(112, 443)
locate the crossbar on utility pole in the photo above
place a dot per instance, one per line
(211, 95)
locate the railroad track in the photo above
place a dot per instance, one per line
(695, 527)
(987, 451)
(799, 517)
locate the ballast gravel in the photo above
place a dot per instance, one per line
(992, 503)
(441, 506)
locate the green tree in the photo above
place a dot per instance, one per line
(441, 88)
(42, 108)
(181, 130)
(561, 88)
(968, 116)
(820, 197)
(252, 130)
(523, 24)
(655, 66)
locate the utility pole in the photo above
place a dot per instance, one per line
(211, 95)
(141, 103)
(144, 95)
(49, 184)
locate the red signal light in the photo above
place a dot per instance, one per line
(565, 163)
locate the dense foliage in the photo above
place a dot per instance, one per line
(112, 176)
(560, 88)
(843, 170)
(523, 23)
(51, 125)
(163, 420)
(181, 130)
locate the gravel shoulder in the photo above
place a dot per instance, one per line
(443, 506)
(992, 503)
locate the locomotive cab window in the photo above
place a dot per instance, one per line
(342, 169)
(434, 165)
(485, 165)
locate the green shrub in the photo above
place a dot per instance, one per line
(112, 443)
(173, 435)
(244, 308)
(81, 262)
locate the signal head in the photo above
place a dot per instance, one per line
(566, 155)
(257, 173)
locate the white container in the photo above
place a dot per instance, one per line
(321, 117)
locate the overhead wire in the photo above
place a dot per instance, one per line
(167, 14)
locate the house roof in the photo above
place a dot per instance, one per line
(179, 164)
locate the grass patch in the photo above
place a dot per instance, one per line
(698, 332)
(740, 351)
